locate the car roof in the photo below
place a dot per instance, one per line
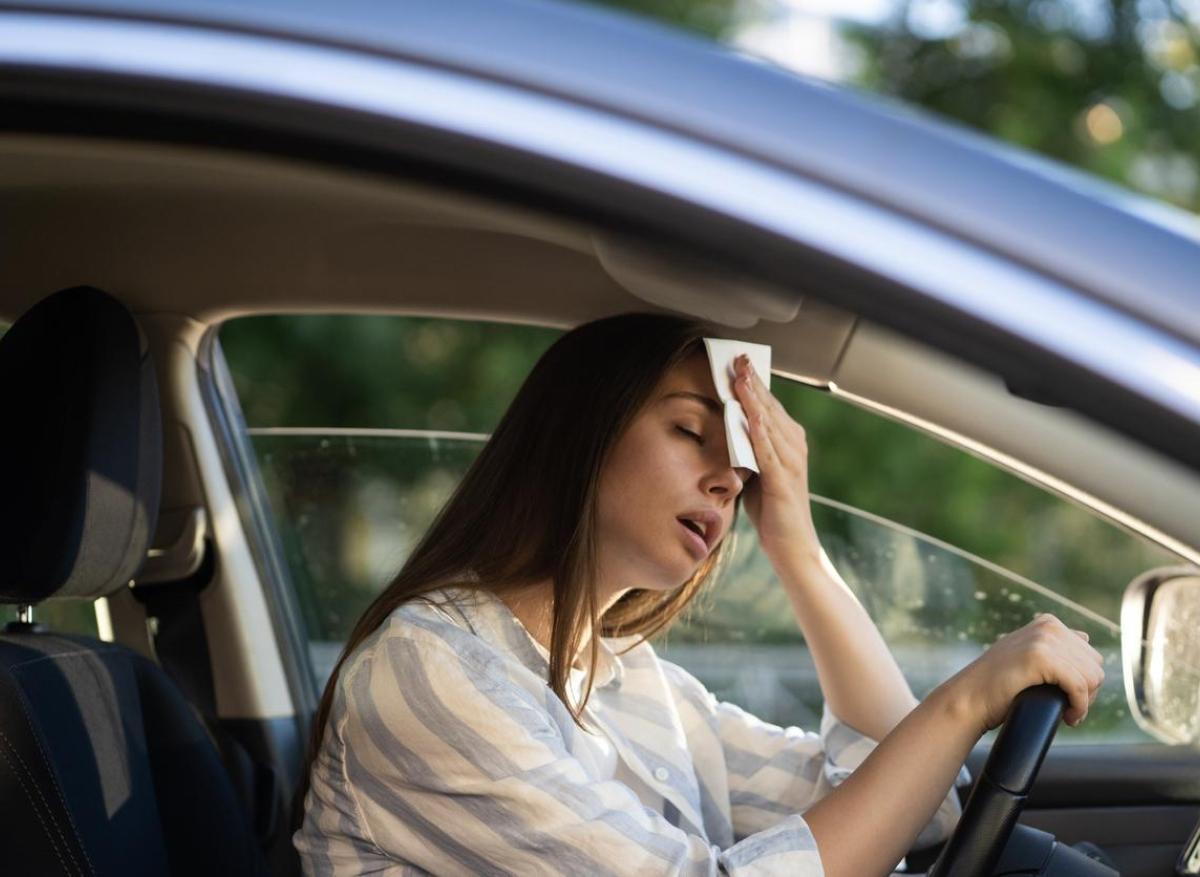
(1139, 255)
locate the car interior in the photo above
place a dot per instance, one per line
(173, 743)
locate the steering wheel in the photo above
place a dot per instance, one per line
(999, 795)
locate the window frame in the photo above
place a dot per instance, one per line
(262, 536)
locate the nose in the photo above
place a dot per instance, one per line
(727, 481)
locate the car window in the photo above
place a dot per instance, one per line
(945, 550)
(362, 426)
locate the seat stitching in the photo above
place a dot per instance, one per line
(53, 779)
(45, 803)
(36, 812)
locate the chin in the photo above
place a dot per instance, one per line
(684, 577)
(660, 573)
(670, 580)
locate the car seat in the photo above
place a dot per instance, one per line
(104, 767)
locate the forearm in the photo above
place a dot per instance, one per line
(895, 792)
(859, 677)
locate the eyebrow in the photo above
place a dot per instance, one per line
(707, 401)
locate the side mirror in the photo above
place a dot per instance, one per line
(1160, 652)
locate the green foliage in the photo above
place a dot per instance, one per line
(367, 372)
(1109, 87)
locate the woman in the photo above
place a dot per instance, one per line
(497, 709)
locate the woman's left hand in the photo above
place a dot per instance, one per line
(778, 500)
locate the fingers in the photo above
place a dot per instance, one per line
(777, 428)
(1072, 681)
(772, 409)
(1075, 665)
(760, 433)
(764, 447)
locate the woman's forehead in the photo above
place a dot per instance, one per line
(691, 375)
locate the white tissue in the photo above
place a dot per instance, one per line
(722, 354)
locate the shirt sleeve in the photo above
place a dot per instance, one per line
(454, 767)
(773, 771)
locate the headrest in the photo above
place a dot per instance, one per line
(80, 449)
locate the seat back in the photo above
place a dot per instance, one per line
(104, 766)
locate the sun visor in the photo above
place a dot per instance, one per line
(692, 287)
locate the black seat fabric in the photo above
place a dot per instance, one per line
(104, 767)
(81, 452)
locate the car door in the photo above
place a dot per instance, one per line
(783, 189)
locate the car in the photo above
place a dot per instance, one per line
(196, 194)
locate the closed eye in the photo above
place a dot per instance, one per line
(691, 434)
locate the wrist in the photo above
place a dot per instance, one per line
(959, 706)
(804, 565)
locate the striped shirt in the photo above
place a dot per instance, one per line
(446, 752)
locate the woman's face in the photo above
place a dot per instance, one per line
(670, 465)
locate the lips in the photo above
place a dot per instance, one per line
(703, 526)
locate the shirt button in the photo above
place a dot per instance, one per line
(661, 774)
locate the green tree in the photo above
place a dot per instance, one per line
(1110, 87)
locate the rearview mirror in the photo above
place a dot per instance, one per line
(1160, 652)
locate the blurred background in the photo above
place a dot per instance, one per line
(1110, 86)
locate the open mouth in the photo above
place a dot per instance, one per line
(694, 536)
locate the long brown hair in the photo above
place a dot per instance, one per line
(526, 509)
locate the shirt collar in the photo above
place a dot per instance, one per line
(490, 618)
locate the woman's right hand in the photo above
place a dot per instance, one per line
(1044, 650)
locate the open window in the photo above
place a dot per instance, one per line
(362, 425)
